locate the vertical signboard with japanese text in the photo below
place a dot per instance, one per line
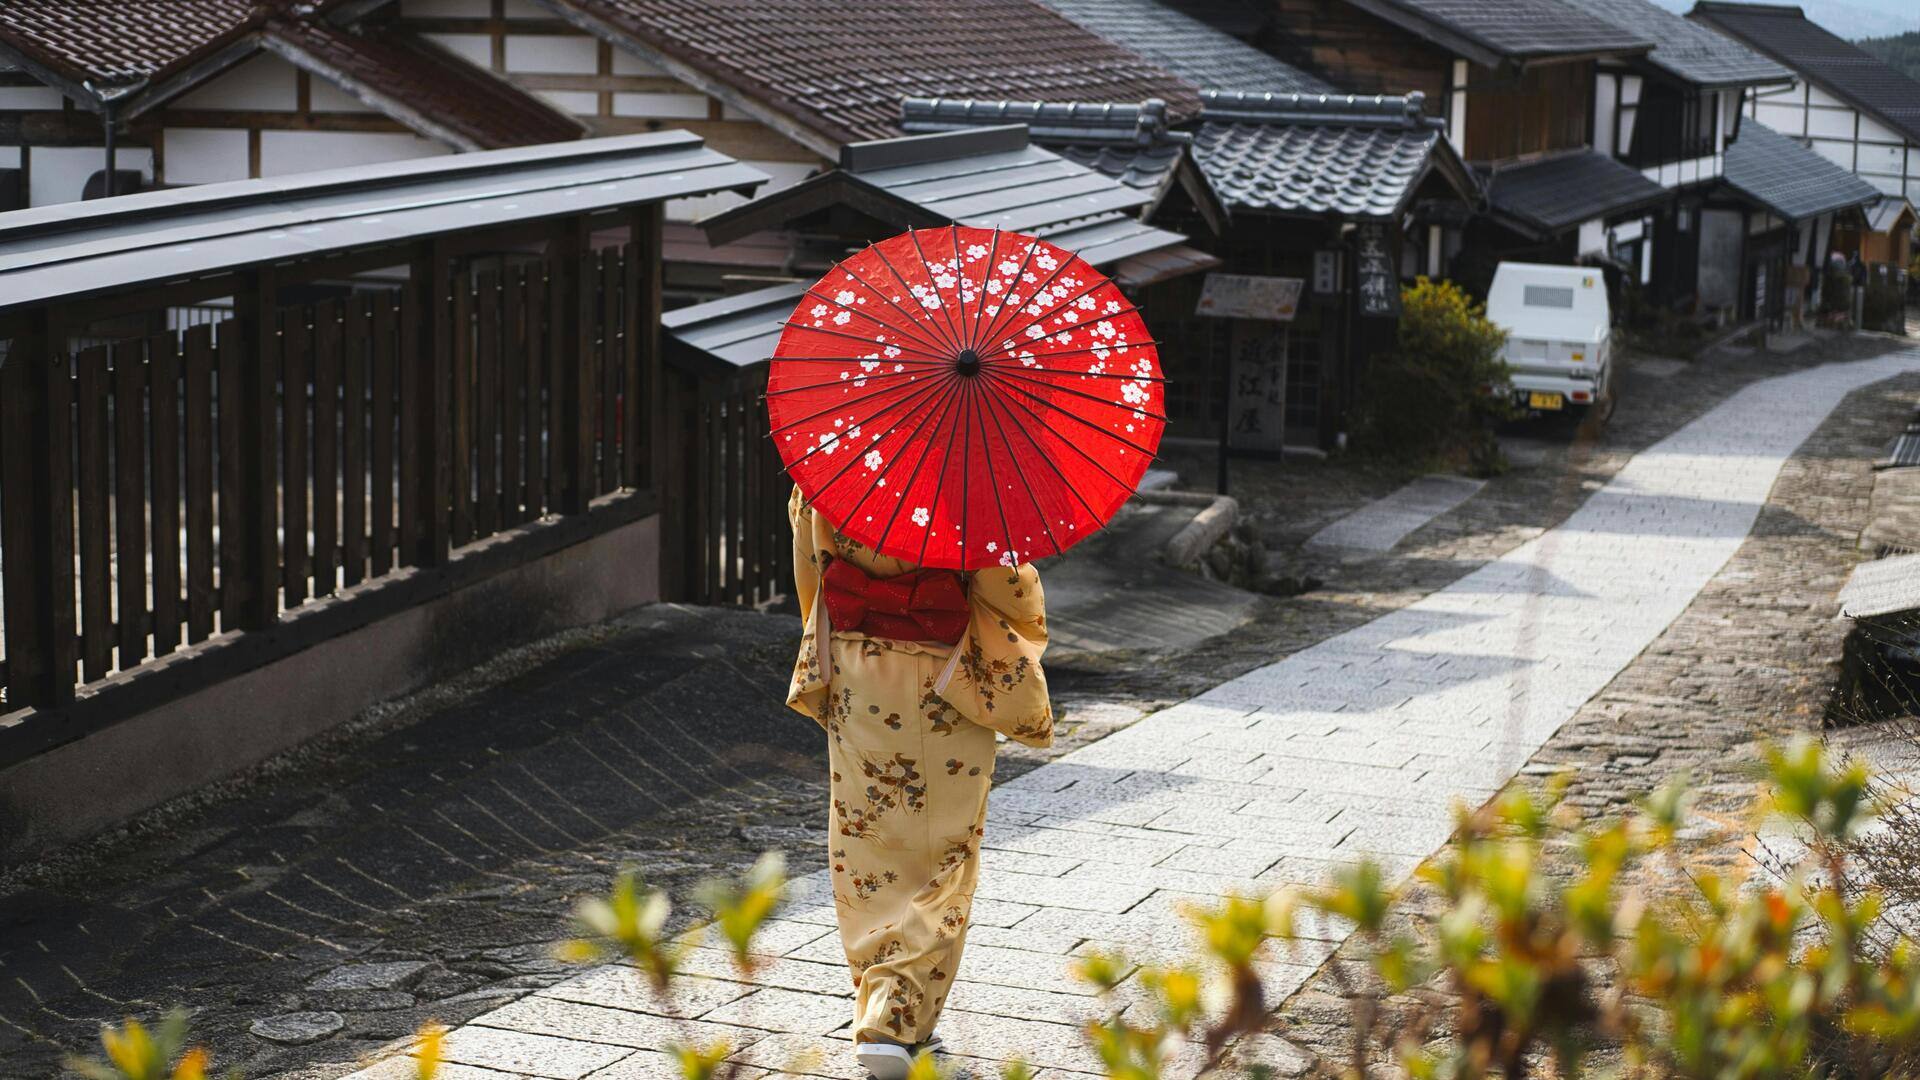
(1375, 281)
(1261, 307)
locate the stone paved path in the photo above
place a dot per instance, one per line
(1384, 522)
(1357, 746)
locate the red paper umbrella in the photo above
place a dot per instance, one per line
(962, 397)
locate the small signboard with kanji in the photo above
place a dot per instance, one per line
(1375, 281)
(1250, 296)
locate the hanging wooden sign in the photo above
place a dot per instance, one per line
(1250, 296)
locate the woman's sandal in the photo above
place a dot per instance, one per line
(886, 1061)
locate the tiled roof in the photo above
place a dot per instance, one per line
(1509, 29)
(1128, 142)
(121, 42)
(986, 177)
(1789, 179)
(1848, 71)
(1692, 51)
(1189, 48)
(838, 70)
(1315, 155)
(1554, 194)
(423, 86)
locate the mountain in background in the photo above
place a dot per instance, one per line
(1902, 51)
(1851, 19)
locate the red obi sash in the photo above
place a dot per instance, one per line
(924, 605)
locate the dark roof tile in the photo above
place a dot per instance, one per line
(1692, 51)
(1789, 179)
(1512, 29)
(424, 86)
(1855, 75)
(121, 42)
(1557, 193)
(840, 69)
(1189, 48)
(1357, 157)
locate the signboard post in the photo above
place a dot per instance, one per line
(1377, 284)
(1254, 414)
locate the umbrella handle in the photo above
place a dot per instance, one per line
(953, 665)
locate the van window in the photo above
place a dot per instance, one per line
(1558, 296)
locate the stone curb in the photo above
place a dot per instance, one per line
(1215, 519)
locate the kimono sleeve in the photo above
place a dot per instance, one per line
(807, 692)
(998, 683)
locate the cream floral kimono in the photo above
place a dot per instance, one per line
(911, 763)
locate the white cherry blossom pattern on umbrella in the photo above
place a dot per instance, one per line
(963, 398)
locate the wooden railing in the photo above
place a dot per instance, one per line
(162, 490)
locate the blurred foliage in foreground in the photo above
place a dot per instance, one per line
(1531, 966)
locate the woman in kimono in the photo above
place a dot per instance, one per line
(912, 672)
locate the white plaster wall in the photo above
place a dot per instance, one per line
(1840, 153)
(205, 155)
(284, 152)
(625, 63)
(1719, 267)
(1593, 237)
(1603, 92)
(30, 97)
(677, 106)
(1830, 123)
(549, 54)
(60, 172)
(1785, 119)
(473, 48)
(264, 83)
(578, 102)
(323, 96)
(9, 157)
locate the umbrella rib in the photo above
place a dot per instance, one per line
(945, 315)
(830, 383)
(909, 397)
(993, 483)
(816, 414)
(857, 456)
(924, 415)
(933, 327)
(993, 328)
(1076, 447)
(966, 471)
(926, 450)
(1121, 375)
(856, 337)
(882, 360)
(914, 320)
(1097, 400)
(870, 317)
(960, 278)
(939, 482)
(994, 405)
(1061, 306)
(1026, 260)
(986, 275)
(1068, 329)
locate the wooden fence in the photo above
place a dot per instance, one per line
(731, 544)
(160, 490)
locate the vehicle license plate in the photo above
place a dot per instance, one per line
(1538, 400)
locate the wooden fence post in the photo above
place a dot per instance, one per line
(646, 445)
(259, 452)
(573, 364)
(432, 366)
(36, 519)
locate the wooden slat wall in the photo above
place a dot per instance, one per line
(146, 473)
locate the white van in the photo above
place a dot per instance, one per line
(1559, 334)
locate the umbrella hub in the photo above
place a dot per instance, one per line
(968, 362)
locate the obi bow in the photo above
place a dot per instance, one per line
(924, 605)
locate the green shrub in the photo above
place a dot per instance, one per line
(1440, 391)
(1836, 290)
(1884, 307)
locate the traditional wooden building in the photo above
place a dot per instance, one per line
(1791, 203)
(1848, 106)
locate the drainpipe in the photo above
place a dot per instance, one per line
(108, 98)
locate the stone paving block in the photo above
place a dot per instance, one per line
(990, 912)
(1050, 892)
(617, 986)
(1136, 850)
(653, 1065)
(1397, 835)
(784, 1010)
(787, 972)
(1004, 1038)
(403, 1066)
(777, 936)
(1107, 804)
(1205, 821)
(596, 1024)
(1100, 875)
(1018, 967)
(1283, 743)
(1001, 860)
(996, 999)
(1015, 937)
(802, 1055)
(521, 1053)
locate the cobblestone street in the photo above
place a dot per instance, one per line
(422, 865)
